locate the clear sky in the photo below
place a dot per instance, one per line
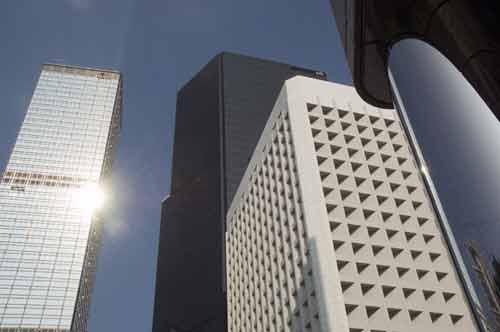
(159, 45)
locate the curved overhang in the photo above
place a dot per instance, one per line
(466, 32)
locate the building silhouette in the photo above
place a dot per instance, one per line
(220, 115)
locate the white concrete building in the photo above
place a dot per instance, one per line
(333, 227)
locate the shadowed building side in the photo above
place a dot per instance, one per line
(188, 283)
(220, 115)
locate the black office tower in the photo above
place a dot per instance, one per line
(220, 115)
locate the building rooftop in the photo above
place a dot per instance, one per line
(107, 73)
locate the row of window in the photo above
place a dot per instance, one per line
(70, 103)
(62, 147)
(68, 127)
(89, 169)
(31, 214)
(84, 112)
(82, 158)
(39, 300)
(400, 255)
(81, 89)
(64, 92)
(267, 255)
(50, 223)
(29, 267)
(67, 150)
(39, 289)
(75, 81)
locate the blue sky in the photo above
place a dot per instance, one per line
(159, 45)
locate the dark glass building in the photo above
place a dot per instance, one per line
(466, 32)
(220, 115)
(438, 61)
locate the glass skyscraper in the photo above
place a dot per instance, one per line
(49, 192)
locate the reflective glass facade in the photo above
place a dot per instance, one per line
(220, 115)
(49, 229)
(458, 136)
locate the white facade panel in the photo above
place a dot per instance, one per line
(332, 228)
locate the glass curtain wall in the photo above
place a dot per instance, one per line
(48, 194)
(460, 141)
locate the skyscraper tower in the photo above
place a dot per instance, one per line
(334, 228)
(220, 115)
(50, 190)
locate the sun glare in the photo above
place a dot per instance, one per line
(90, 197)
(425, 170)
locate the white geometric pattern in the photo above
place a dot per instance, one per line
(332, 228)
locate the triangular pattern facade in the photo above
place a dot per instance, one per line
(351, 224)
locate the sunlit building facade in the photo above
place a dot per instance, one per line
(334, 227)
(49, 195)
